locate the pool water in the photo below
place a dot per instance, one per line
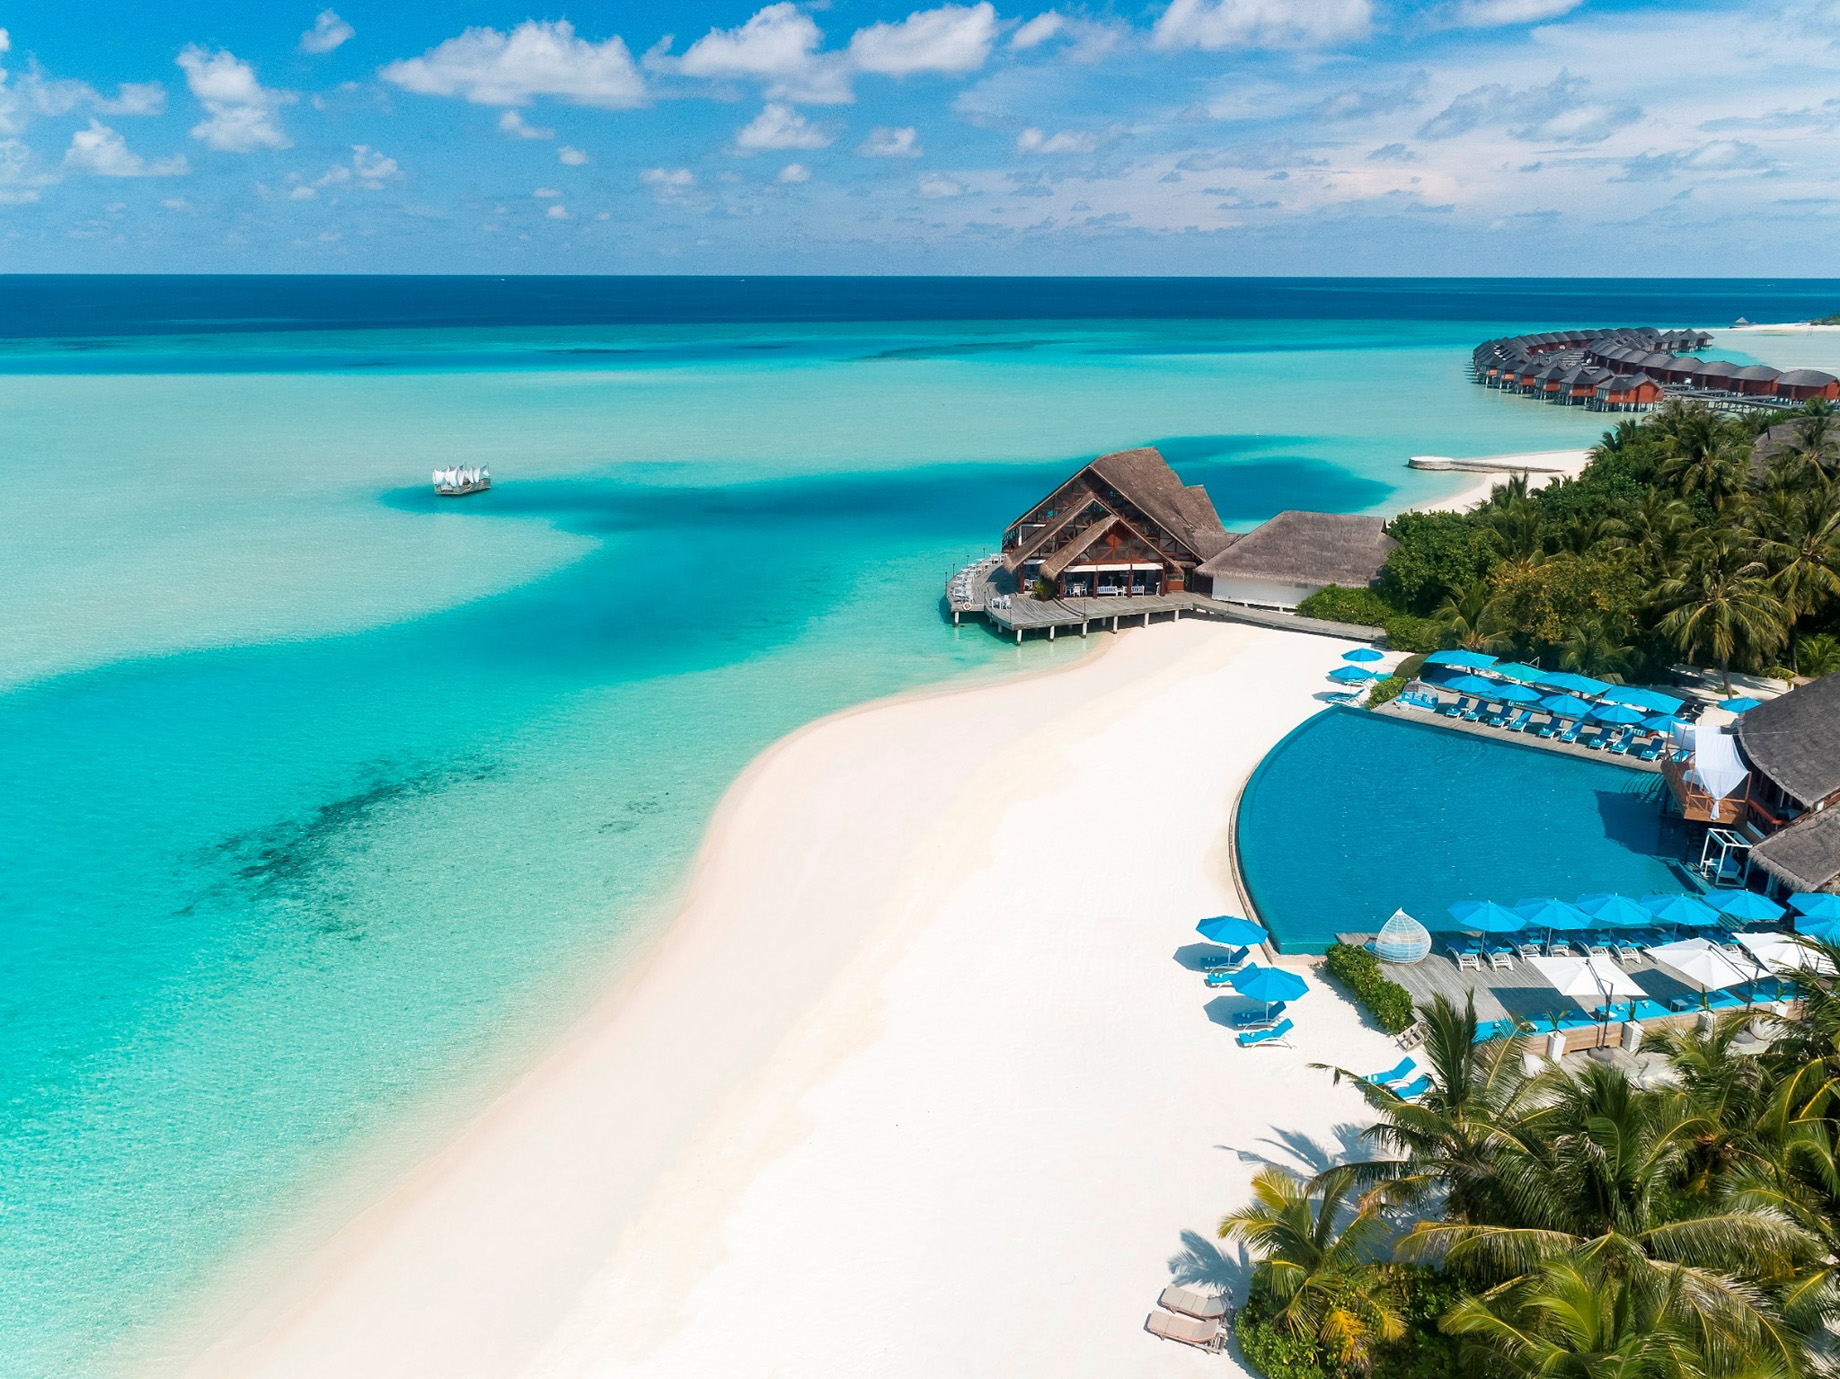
(1356, 814)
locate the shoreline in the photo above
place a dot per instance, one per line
(609, 1174)
(1491, 470)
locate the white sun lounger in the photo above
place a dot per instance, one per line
(1191, 1303)
(1188, 1330)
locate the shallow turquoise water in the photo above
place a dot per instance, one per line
(1356, 814)
(324, 802)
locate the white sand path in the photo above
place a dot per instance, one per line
(916, 1085)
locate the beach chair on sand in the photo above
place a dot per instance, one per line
(1414, 1089)
(1205, 1335)
(1228, 963)
(1256, 1019)
(1403, 1069)
(1278, 1034)
(1207, 1307)
(1413, 1035)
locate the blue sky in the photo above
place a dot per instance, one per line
(1565, 137)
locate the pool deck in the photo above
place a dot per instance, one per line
(1545, 744)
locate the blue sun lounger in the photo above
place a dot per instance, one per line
(1405, 1068)
(1414, 1089)
(1571, 733)
(1225, 965)
(1252, 1019)
(1550, 726)
(1277, 1034)
(1461, 707)
(1518, 724)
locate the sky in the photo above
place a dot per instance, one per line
(1443, 137)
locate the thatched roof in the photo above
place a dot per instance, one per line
(1805, 378)
(1758, 373)
(1307, 548)
(1806, 854)
(1795, 739)
(1144, 477)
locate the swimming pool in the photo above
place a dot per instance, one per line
(1356, 814)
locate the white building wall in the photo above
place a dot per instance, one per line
(1260, 594)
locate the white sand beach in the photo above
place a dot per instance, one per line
(917, 1084)
(1541, 467)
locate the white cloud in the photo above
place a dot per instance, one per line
(934, 185)
(1037, 31)
(573, 157)
(372, 169)
(670, 186)
(512, 123)
(303, 192)
(951, 38)
(50, 97)
(16, 179)
(241, 112)
(778, 45)
(1559, 112)
(885, 142)
(794, 172)
(135, 98)
(780, 126)
(538, 58)
(102, 151)
(558, 212)
(1215, 24)
(1066, 141)
(1482, 14)
(327, 33)
(546, 193)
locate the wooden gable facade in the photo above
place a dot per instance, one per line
(1123, 525)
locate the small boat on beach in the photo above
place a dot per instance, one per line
(461, 480)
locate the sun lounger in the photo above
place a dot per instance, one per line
(1518, 724)
(1550, 726)
(1279, 1033)
(1412, 1035)
(1226, 962)
(1467, 956)
(1531, 949)
(1458, 709)
(1415, 1089)
(1571, 733)
(1254, 1019)
(1558, 948)
(1595, 742)
(1597, 945)
(1207, 1307)
(1474, 712)
(1404, 1068)
(1621, 745)
(1189, 1330)
(1501, 959)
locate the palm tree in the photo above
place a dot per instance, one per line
(1721, 605)
(1466, 617)
(1655, 528)
(1318, 1263)
(1799, 541)
(1707, 454)
(1515, 526)
(1598, 647)
(1817, 654)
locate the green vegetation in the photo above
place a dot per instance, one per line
(1383, 690)
(1672, 543)
(1359, 970)
(1567, 1223)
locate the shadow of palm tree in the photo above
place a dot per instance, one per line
(1293, 1150)
(1203, 1264)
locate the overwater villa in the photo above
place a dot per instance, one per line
(1124, 537)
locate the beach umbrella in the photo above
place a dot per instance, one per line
(1486, 917)
(1822, 905)
(1576, 684)
(1268, 984)
(1651, 700)
(1680, 909)
(1351, 675)
(1587, 981)
(1701, 965)
(1547, 913)
(1826, 930)
(1362, 653)
(1471, 684)
(1620, 714)
(1746, 907)
(1511, 693)
(1230, 929)
(1565, 705)
(1662, 723)
(1742, 704)
(1618, 911)
(1514, 670)
(1470, 660)
(1775, 952)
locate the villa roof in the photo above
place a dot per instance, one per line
(1307, 548)
(1806, 854)
(1805, 378)
(1144, 477)
(1795, 739)
(1757, 371)
(1716, 368)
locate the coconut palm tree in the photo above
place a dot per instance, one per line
(1655, 528)
(1720, 604)
(1817, 654)
(1466, 618)
(1319, 1261)
(1706, 453)
(1598, 647)
(1798, 531)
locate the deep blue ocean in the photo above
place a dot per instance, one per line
(325, 803)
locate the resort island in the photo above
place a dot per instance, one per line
(1395, 947)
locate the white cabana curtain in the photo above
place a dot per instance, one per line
(1717, 767)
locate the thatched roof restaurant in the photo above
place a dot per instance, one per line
(1284, 561)
(1792, 745)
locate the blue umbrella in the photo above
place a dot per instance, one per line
(1472, 684)
(1826, 930)
(1268, 984)
(1619, 911)
(1578, 684)
(1616, 713)
(1351, 675)
(1230, 929)
(1471, 660)
(1742, 704)
(1362, 653)
(1510, 693)
(1680, 909)
(1652, 700)
(1514, 670)
(1822, 905)
(1746, 906)
(1554, 914)
(1662, 723)
(1486, 917)
(1566, 705)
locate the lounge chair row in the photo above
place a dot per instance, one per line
(1646, 746)
(1191, 1317)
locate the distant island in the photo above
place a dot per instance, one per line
(1833, 320)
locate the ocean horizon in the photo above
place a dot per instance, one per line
(330, 802)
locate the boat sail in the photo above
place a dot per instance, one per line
(459, 480)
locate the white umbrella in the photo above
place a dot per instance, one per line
(1588, 980)
(1700, 964)
(1775, 952)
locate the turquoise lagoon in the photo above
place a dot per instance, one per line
(324, 804)
(1354, 815)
